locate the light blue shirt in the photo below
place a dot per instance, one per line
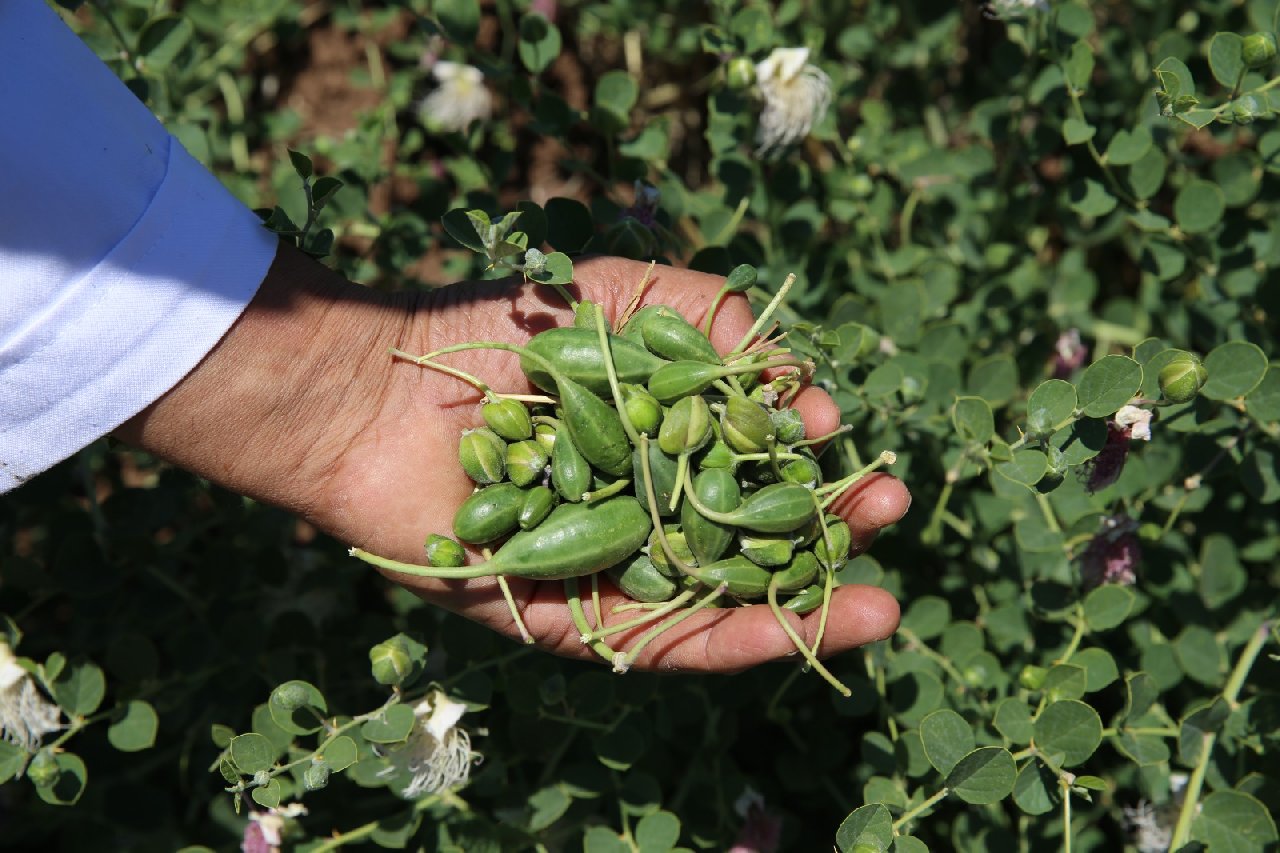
(122, 260)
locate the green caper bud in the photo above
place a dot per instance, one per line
(316, 775)
(739, 74)
(43, 769)
(686, 427)
(837, 555)
(1258, 49)
(718, 455)
(767, 551)
(390, 663)
(803, 471)
(658, 554)
(1181, 381)
(745, 425)
(788, 426)
(483, 455)
(1032, 677)
(642, 408)
(508, 418)
(741, 279)
(444, 552)
(526, 462)
(290, 696)
(545, 435)
(584, 316)
(537, 506)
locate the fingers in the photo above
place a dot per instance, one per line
(872, 503)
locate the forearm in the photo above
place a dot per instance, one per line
(258, 414)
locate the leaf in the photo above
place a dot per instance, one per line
(251, 752)
(135, 728)
(1108, 384)
(1263, 402)
(1069, 727)
(619, 748)
(1099, 668)
(1108, 606)
(12, 760)
(297, 707)
(1199, 206)
(1142, 750)
(1141, 693)
(1088, 197)
(1051, 404)
(985, 775)
(79, 688)
(392, 726)
(616, 91)
(72, 778)
(1226, 58)
(1175, 78)
(1194, 728)
(973, 419)
(1065, 681)
(1201, 655)
(1026, 467)
(1013, 720)
(995, 379)
(163, 38)
(914, 695)
(657, 832)
(569, 224)
(340, 754)
(1222, 577)
(947, 738)
(547, 805)
(1079, 66)
(539, 42)
(870, 825)
(602, 839)
(909, 844)
(1235, 368)
(559, 270)
(460, 19)
(1231, 820)
(301, 164)
(458, 223)
(927, 616)
(1077, 132)
(268, 795)
(1128, 146)
(1146, 176)
(1036, 789)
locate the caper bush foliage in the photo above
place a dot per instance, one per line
(1035, 246)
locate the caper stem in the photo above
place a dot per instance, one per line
(447, 573)
(667, 607)
(704, 510)
(515, 611)
(607, 492)
(838, 488)
(652, 497)
(579, 617)
(602, 331)
(622, 662)
(423, 361)
(763, 319)
(809, 656)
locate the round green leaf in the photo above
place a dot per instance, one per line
(251, 752)
(569, 224)
(1200, 655)
(973, 419)
(909, 844)
(1081, 441)
(340, 754)
(947, 738)
(602, 839)
(1099, 668)
(927, 616)
(1107, 606)
(1146, 176)
(539, 42)
(994, 379)
(1065, 681)
(1036, 790)
(870, 825)
(1230, 820)
(1142, 750)
(12, 760)
(657, 832)
(1141, 693)
(1235, 368)
(72, 777)
(297, 707)
(617, 92)
(1077, 132)
(1199, 206)
(914, 695)
(1222, 576)
(1129, 146)
(79, 688)
(460, 19)
(1026, 467)
(985, 775)
(1013, 720)
(1226, 58)
(1263, 401)
(1069, 727)
(135, 728)
(547, 805)
(163, 38)
(391, 726)
(1089, 198)
(268, 795)
(1051, 404)
(1108, 384)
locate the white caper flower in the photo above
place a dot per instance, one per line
(438, 752)
(26, 715)
(460, 99)
(1152, 830)
(796, 95)
(1136, 421)
(1015, 8)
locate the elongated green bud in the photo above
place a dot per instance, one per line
(508, 418)
(797, 574)
(767, 551)
(445, 552)
(718, 455)
(745, 425)
(658, 554)
(837, 555)
(742, 279)
(483, 455)
(526, 462)
(687, 427)
(642, 408)
(538, 504)
(678, 379)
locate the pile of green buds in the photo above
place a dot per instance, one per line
(682, 475)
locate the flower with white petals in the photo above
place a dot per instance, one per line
(796, 95)
(1136, 421)
(460, 99)
(1015, 8)
(26, 715)
(1152, 830)
(263, 832)
(438, 753)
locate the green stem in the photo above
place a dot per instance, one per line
(918, 645)
(623, 662)
(580, 618)
(652, 499)
(668, 607)
(607, 492)
(763, 319)
(1066, 815)
(1191, 801)
(454, 573)
(515, 611)
(1078, 621)
(920, 809)
(809, 656)
(838, 488)
(1050, 519)
(602, 331)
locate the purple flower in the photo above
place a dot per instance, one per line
(1069, 352)
(1104, 469)
(1113, 555)
(761, 832)
(645, 209)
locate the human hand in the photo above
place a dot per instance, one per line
(365, 447)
